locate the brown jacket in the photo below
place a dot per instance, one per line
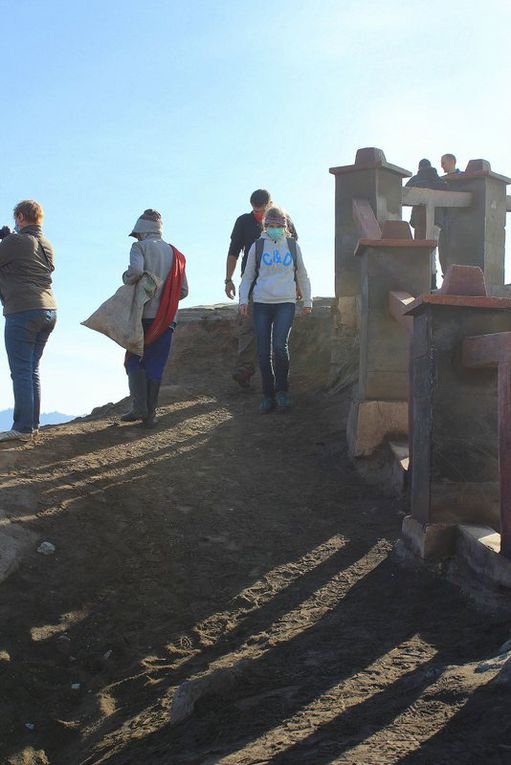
(26, 265)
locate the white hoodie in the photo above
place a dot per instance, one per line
(276, 279)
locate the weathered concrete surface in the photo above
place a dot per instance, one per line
(349, 312)
(371, 178)
(500, 290)
(402, 266)
(475, 235)
(344, 360)
(429, 200)
(495, 350)
(465, 501)
(428, 541)
(371, 422)
(479, 549)
(399, 302)
(380, 407)
(455, 470)
(345, 342)
(365, 219)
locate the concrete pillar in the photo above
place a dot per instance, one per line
(495, 350)
(454, 468)
(380, 406)
(371, 178)
(475, 235)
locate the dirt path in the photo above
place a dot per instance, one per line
(241, 560)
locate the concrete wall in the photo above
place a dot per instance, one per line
(475, 235)
(455, 471)
(384, 344)
(371, 178)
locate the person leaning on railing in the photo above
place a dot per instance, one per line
(426, 178)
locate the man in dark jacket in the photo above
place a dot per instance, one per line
(26, 265)
(247, 228)
(426, 178)
(448, 163)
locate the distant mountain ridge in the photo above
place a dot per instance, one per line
(48, 418)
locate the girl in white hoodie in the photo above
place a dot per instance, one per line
(273, 277)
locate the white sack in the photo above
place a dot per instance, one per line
(120, 317)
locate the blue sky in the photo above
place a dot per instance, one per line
(108, 108)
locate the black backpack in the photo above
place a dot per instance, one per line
(259, 247)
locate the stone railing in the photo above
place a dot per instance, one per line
(434, 368)
(473, 233)
(391, 264)
(430, 199)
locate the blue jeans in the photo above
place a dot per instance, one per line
(155, 355)
(26, 334)
(272, 323)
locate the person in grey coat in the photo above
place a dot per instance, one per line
(151, 253)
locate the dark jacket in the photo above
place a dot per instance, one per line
(427, 178)
(246, 230)
(26, 265)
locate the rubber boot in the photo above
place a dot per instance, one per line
(153, 389)
(137, 382)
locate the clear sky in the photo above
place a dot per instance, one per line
(187, 106)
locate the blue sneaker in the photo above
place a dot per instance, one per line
(267, 405)
(282, 401)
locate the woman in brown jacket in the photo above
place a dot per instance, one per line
(26, 266)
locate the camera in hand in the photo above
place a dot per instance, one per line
(4, 231)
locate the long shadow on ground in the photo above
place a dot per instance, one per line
(234, 540)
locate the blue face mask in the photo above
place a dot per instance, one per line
(275, 233)
(16, 229)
